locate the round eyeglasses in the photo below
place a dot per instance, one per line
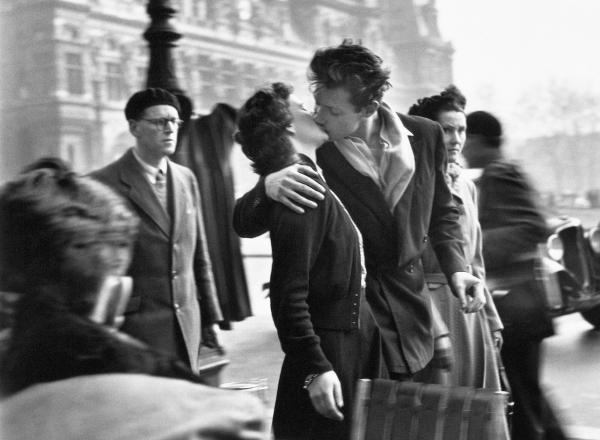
(161, 123)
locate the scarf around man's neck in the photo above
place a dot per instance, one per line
(397, 164)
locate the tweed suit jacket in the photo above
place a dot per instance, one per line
(173, 286)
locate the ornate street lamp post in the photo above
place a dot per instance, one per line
(161, 37)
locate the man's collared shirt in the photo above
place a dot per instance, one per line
(149, 171)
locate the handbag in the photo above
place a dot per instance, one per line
(393, 410)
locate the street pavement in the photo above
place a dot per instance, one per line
(570, 372)
(571, 375)
(252, 346)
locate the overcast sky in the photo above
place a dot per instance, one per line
(506, 46)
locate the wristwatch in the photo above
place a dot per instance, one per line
(309, 379)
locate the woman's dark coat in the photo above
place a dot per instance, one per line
(316, 295)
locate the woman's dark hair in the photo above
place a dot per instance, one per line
(264, 122)
(353, 67)
(451, 99)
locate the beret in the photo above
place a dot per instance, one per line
(143, 99)
(483, 123)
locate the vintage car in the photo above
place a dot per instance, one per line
(577, 250)
(567, 270)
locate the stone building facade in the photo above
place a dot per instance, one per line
(68, 66)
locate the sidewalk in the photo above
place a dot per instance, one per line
(252, 346)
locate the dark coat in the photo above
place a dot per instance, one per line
(512, 224)
(206, 149)
(512, 227)
(173, 287)
(50, 343)
(315, 278)
(316, 294)
(393, 244)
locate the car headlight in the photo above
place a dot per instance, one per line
(594, 239)
(555, 247)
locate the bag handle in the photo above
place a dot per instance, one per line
(505, 385)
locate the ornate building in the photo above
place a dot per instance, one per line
(67, 66)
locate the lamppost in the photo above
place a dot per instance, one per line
(161, 37)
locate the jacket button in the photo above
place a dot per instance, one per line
(173, 274)
(176, 306)
(425, 239)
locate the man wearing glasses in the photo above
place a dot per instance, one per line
(174, 305)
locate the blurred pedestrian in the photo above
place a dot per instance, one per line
(132, 407)
(8, 300)
(512, 226)
(388, 171)
(475, 337)
(317, 279)
(64, 240)
(174, 306)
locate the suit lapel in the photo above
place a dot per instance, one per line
(179, 196)
(141, 193)
(362, 187)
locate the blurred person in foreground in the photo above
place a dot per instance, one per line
(475, 337)
(317, 279)
(66, 242)
(133, 407)
(512, 226)
(174, 306)
(389, 172)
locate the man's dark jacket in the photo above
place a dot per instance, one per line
(512, 227)
(511, 222)
(393, 244)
